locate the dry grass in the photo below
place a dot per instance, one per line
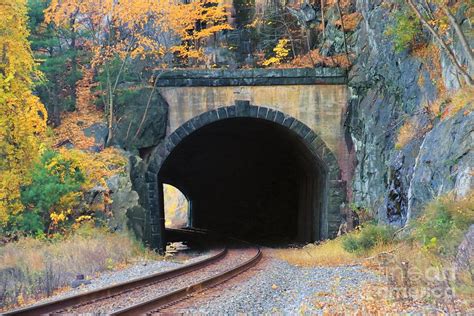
(328, 253)
(31, 269)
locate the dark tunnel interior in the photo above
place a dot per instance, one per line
(249, 178)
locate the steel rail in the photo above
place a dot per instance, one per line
(166, 299)
(110, 291)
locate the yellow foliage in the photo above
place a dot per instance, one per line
(315, 58)
(281, 52)
(351, 21)
(127, 24)
(96, 166)
(22, 116)
(430, 56)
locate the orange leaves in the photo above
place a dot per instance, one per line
(140, 28)
(314, 58)
(86, 114)
(350, 21)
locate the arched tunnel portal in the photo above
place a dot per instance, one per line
(250, 172)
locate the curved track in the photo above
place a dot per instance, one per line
(150, 293)
(236, 262)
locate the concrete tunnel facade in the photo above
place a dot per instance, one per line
(251, 172)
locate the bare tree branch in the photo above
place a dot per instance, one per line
(443, 44)
(343, 31)
(460, 34)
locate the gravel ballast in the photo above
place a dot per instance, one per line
(137, 270)
(279, 287)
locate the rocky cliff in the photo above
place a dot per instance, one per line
(390, 88)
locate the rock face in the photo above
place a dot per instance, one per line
(100, 132)
(465, 256)
(141, 118)
(388, 88)
(445, 162)
(123, 198)
(138, 219)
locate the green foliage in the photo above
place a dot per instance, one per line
(370, 236)
(58, 58)
(405, 29)
(444, 223)
(53, 180)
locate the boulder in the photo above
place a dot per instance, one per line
(100, 132)
(140, 119)
(123, 198)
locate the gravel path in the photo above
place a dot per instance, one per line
(275, 286)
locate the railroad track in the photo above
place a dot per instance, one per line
(150, 293)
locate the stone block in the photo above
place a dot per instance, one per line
(222, 113)
(231, 111)
(310, 137)
(253, 111)
(262, 112)
(288, 121)
(242, 108)
(181, 132)
(279, 118)
(271, 114)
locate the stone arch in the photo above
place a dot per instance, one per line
(334, 186)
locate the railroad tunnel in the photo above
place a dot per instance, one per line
(250, 178)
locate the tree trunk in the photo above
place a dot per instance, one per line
(73, 59)
(322, 19)
(110, 105)
(343, 31)
(460, 34)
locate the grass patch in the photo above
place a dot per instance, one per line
(332, 252)
(31, 269)
(368, 238)
(328, 253)
(422, 269)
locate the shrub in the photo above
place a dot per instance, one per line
(443, 224)
(369, 237)
(51, 195)
(405, 29)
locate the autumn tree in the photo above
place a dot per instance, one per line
(22, 115)
(122, 31)
(59, 55)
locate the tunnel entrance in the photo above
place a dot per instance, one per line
(249, 178)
